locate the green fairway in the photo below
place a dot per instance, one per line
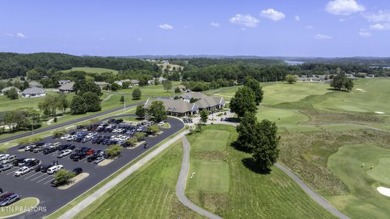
(150, 193)
(212, 140)
(247, 194)
(363, 201)
(282, 117)
(92, 70)
(368, 95)
(284, 93)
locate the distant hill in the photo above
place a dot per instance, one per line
(92, 70)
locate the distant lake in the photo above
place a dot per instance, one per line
(293, 62)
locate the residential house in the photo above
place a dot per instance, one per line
(34, 92)
(210, 103)
(101, 84)
(35, 84)
(4, 90)
(62, 82)
(66, 88)
(134, 82)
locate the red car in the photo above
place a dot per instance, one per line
(90, 152)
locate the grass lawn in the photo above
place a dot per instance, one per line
(368, 95)
(18, 207)
(210, 176)
(363, 201)
(212, 140)
(247, 194)
(283, 93)
(281, 117)
(92, 70)
(149, 193)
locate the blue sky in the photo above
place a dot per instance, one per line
(321, 28)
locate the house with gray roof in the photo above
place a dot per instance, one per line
(177, 107)
(62, 82)
(35, 84)
(34, 92)
(210, 103)
(66, 88)
(4, 90)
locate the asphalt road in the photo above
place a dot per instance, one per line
(182, 182)
(37, 131)
(38, 184)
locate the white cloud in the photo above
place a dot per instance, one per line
(20, 35)
(165, 27)
(309, 27)
(297, 18)
(380, 16)
(215, 24)
(364, 33)
(322, 37)
(344, 7)
(272, 14)
(378, 26)
(244, 20)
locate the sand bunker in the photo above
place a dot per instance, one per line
(384, 191)
(379, 112)
(361, 90)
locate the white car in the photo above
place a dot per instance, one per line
(64, 153)
(4, 156)
(54, 169)
(98, 160)
(22, 170)
(64, 137)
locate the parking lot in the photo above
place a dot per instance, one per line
(38, 184)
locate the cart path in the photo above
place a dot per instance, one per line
(182, 181)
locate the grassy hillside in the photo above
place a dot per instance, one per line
(222, 183)
(92, 70)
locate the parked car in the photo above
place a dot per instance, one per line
(64, 153)
(9, 159)
(54, 169)
(30, 147)
(78, 156)
(76, 171)
(37, 149)
(38, 168)
(48, 150)
(4, 156)
(24, 161)
(98, 160)
(8, 198)
(22, 170)
(32, 163)
(4, 167)
(44, 168)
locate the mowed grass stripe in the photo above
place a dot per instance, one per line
(145, 194)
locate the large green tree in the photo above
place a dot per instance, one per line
(92, 101)
(341, 82)
(245, 130)
(157, 111)
(83, 86)
(136, 94)
(12, 94)
(265, 141)
(140, 111)
(204, 114)
(78, 105)
(167, 84)
(256, 88)
(291, 79)
(243, 101)
(63, 176)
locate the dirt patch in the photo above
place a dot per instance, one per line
(74, 180)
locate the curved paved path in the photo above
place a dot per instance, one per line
(312, 194)
(182, 181)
